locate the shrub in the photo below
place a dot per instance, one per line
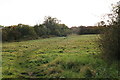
(110, 38)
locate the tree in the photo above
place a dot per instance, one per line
(110, 38)
(63, 30)
(5, 32)
(89, 30)
(51, 24)
(27, 32)
(75, 30)
(41, 30)
(54, 27)
(18, 32)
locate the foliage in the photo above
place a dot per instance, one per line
(54, 27)
(18, 32)
(110, 38)
(85, 30)
(50, 27)
(41, 30)
(75, 30)
(89, 30)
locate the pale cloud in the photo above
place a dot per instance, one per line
(70, 12)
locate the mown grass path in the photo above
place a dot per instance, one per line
(75, 56)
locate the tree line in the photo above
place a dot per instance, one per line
(51, 27)
(80, 30)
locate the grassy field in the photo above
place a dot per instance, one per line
(75, 56)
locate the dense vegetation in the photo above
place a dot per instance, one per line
(50, 27)
(110, 37)
(86, 30)
(18, 32)
(73, 57)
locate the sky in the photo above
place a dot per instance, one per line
(70, 12)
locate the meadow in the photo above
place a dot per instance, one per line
(74, 56)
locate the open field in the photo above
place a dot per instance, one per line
(75, 56)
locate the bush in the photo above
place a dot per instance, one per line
(110, 38)
(109, 43)
(18, 32)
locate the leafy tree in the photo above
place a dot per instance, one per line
(89, 30)
(51, 24)
(63, 30)
(110, 38)
(18, 32)
(41, 30)
(75, 30)
(54, 27)
(5, 32)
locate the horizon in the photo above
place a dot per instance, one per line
(72, 13)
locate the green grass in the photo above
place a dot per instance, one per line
(75, 56)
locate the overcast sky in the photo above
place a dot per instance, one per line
(70, 12)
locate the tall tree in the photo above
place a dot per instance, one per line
(54, 27)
